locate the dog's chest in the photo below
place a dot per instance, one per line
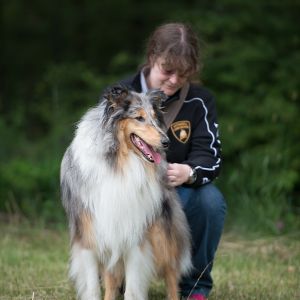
(124, 205)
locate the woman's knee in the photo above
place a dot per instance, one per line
(210, 200)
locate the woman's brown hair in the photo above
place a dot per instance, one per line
(178, 45)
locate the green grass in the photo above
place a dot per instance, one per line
(34, 262)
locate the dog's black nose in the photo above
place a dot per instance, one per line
(165, 142)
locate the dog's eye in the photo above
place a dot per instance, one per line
(140, 119)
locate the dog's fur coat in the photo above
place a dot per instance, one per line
(125, 221)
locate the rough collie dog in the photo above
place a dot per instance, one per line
(126, 223)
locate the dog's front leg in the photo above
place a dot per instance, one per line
(139, 269)
(113, 281)
(171, 282)
(84, 272)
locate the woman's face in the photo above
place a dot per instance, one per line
(165, 78)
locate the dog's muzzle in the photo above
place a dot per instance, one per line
(165, 141)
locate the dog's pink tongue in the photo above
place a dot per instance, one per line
(155, 155)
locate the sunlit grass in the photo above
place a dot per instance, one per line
(34, 262)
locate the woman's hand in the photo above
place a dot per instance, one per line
(178, 174)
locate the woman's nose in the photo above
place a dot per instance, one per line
(174, 78)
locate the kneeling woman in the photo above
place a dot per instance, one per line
(172, 61)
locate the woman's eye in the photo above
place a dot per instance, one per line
(169, 72)
(140, 119)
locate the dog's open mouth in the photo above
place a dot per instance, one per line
(148, 152)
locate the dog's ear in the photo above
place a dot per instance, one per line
(115, 95)
(157, 97)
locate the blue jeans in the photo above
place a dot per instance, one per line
(205, 210)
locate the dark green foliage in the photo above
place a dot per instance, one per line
(252, 67)
(29, 170)
(57, 57)
(30, 188)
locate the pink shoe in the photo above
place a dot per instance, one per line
(197, 297)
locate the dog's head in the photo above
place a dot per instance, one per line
(136, 122)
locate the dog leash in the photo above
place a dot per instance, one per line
(174, 107)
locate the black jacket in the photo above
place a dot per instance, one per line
(194, 132)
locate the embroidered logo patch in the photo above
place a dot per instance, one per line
(181, 130)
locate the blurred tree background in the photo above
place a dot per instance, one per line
(57, 56)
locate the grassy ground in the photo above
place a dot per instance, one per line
(33, 265)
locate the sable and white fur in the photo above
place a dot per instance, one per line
(125, 221)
